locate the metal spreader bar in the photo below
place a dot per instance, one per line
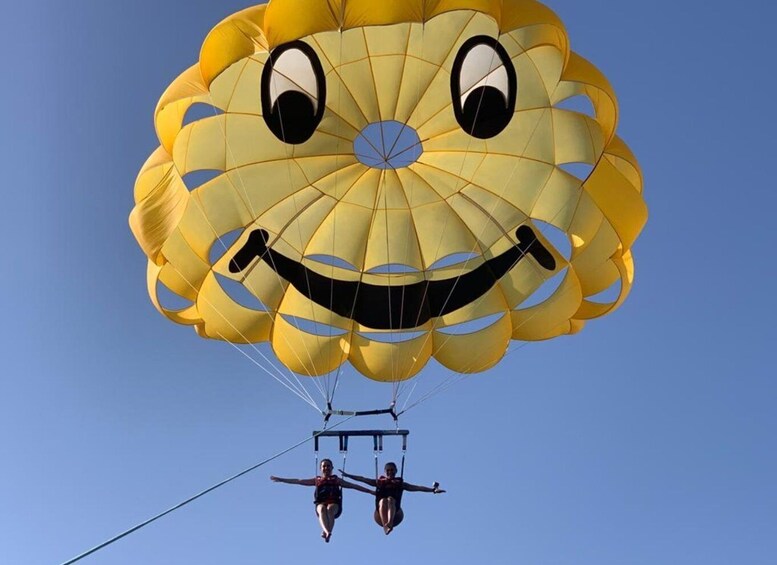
(377, 437)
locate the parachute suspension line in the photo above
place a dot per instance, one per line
(321, 388)
(307, 398)
(330, 398)
(404, 452)
(336, 72)
(444, 386)
(438, 389)
(302, 393)
(460, 377)
(289, 158)
(451, 382)
(298, 388)
(266, 359)
(445, 224)
(308, 373)
(331, 394)
(247, 198)
(518, 347)
(193, 498)
(364, 256)
(409, 396)
(382, 188)
(399, 384)
(384, 176)
(337, 383)
(447, 218)
(537, 270)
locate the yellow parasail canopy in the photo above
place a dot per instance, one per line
(389, 181)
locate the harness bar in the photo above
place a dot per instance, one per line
(377, 437)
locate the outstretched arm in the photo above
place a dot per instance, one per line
(303, 482)
(417, 488)
(346, 484)
(365, 480)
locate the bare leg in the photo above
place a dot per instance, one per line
(326, 517)
(382, 511)
(388, 510)
(331, 511)
(324, 520)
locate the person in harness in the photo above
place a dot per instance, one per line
(328, 496)
(388, 495)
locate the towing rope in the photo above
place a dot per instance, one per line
(193, 498)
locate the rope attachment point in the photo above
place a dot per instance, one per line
(329, 412)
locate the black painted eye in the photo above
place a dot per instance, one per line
(483, 87)
(293, 92)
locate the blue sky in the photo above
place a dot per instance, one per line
(648, 438)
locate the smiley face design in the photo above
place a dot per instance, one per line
(388, 184)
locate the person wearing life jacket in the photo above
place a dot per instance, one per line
(388, 495)
(328, 496)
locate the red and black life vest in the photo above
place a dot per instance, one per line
(386, 488)
(328, 490)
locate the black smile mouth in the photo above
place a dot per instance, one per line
(386, 307)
